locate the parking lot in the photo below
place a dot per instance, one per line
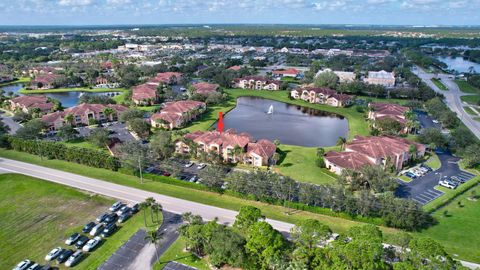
(118, 130)
(422, 188)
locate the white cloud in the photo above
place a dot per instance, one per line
(330, 5)
(118, 2)
(73, 3)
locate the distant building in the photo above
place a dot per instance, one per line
(43, 82)
(388, 110)
(257, 83)
(381, 150)
(322, 95)
(235, 68)
(177, 114)
(291, 72)
(204, 88)
(145, 94)
(382, 77)
(259, 153)
(343, 76)
(26, 103)
(167, 78)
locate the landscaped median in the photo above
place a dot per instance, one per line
(78, 89)
(439, 84)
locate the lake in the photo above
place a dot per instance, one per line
(68, 99)
(290, 124)
(459, 64)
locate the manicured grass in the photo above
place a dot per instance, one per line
(225, 201)
(405, 178)
(450, 194)
(466, 87)
(81, 142)
(19, 80)
(458, 229)
(469, 110)
(439, 84)
(176, 252)
(79, 89)
(119, 99)
(36, 216)
(433, 162)
(148, 108)
(299, 163)
(471, 99)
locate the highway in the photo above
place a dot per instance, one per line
(134, 195)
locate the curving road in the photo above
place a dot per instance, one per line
(134, 195)
(452, 97)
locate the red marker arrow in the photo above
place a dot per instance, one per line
(220, 122)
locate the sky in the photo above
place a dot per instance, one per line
(112, 12)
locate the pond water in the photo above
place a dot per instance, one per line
(290, 124)
(68, 99)
(459, 64)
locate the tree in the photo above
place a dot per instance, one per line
(153, 237)
(326, 79)
(139, 126)
(4, 129)
(21, 117)
(31, 130)
(213, 176)
(227, 248)
(471, 155)
(67, 133)
(377, 178)
(135, 156)
(433, 137)
(247, 216)
(341, 142)
(388, 126)
(161, 144)
(99, 137)
(108, 112)
(265, 244)
(307, 236)
(131, 114)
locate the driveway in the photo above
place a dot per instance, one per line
(7, 120)
(422, 189)
(119, 130)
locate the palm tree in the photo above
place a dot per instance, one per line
(342, 141)
(156, 208)
(108, 112)
(69, 118)
(143, 207)
(154, 237)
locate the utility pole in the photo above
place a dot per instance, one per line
(140, 169)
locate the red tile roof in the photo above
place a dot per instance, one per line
(204, 88)
(235, 68)
(351, 160)
(45, 78)
(144, 91)
(290, 71)
(40, 102)
(173, 111)
(263, 148)
(166, 76)
(388, 108)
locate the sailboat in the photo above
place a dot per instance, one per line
(270, 110)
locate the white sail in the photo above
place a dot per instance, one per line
(270, 110)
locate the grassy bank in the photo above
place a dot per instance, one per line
(472, 99)
(466, 87)
(439, 84)
(79, 89)
(469, 111)
(176, 252)
(19, 80)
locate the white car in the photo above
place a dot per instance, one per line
(201, 166)
(115, 206)
(447, 184)
(74, 259)
(435, 121)
(53, 254)
(189, 164)
(23, 265)
(92, 243)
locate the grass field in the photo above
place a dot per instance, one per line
(469, 110)
(472, 99)
(82, 143)
(439, 84)
(20, 80)
(177, 253)
(433, 162)
(79, 89)
(458, 229)
(466, 87)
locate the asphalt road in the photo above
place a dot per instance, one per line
(7, 120)
(128, 194)
(452, 97)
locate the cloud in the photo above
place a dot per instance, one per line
(330, 5)
(118, 2)
(74, 3)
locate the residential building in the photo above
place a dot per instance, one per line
(167, 77)
(145, 94)
(26, 103)
(322, 95)
(343, 76)
(257, 83)
(374, 150)
(42, 82)
(235, 68)
(82, 115)
(291, 72)
(178, 113)
(382, 77)
(204, 88)
(396, 112)
(231, 146)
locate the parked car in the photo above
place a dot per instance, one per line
(53, 254)
(81, 241)
(123, 210)
(74, 259)
(435, 121)
(34, 266)
(124, 217)
(116, 206)
(165, 173)
(411, 175)
(64, 255)
(23, 265)
(457, 180)
(426, 167)
(111, 218)
(92, 244)
(201, 166)
(88, 227)
(189, 164)
(135, 208)
(102, 217)
(447, 184)
(193, 179)
(72, 239)
(97, 229)
(109, 229)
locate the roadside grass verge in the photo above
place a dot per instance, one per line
(471, 99)
(78, 89)
(81, 142)
(466, 87)
(450, 194)
(469, 110)
(439, 84)
(405, 178)
(457, 227)
(176, 252)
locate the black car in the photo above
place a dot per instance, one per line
(135, 208)
(88, 227)
(123, 210)
(102, 217)
(66, 253)
(81, 241)
(109, 229)
(124, 217)
(111, 218)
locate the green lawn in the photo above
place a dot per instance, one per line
(82, 143)
(469, 110)
(79, 89)
(466, 87)
(176, 252)
(299, 163)
(471, 99)
(433, 162)
(458, 231)
(439, 84)
(405, 178)
(20, 80)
